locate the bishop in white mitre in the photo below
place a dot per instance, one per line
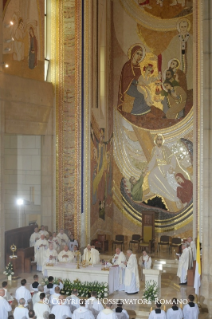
(63, 237)
(107, 313)
(82, 312)
(50, 255)
(131, 279)
(57, 241)
(191, 310)
(193, 248)
(40, 247)
(91, 255)
(43, 231)
(183, 265)
(66, 256)
(119, 259)
(34, 237)
(145, 262)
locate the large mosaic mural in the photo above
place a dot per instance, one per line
(153, 109)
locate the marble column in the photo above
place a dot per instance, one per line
(206, 285)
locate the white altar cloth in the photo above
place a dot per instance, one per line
(90, 274)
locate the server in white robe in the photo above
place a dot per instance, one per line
(55, 296)
(107, 313)
(73, 300)
(50, 255)
(50, 287)
(63, 237)
(40, 247)
(91, 255)
(119, 309)
(66, 256)
(157, 313)
(72, 242)
(193, 247)
(61, 310)
(7, 294)
(174, 312)
(191, 310)
(34, 237)
(94, 304)
(82, 312)
(119, 259)
(131, 279)
(36, 296)
(44, 232)
(145, 262)
(20, 311)
(23, 292)
(35, 284)
(4, 305)
(183, 265)
(57, 241)
(41, 308)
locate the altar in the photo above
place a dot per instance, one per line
(90, 274)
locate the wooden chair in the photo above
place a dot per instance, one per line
(176, 242)
(164, 241)
(119, 240)
(148, 231)
(135, 240)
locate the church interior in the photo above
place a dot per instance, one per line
(105, 143)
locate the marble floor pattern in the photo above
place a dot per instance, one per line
(169, 285)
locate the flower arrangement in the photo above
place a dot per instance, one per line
(85, 288)
(9, 270)
(151, 290)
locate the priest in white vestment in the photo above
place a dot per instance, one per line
(94, 304)
(50, 255)
(21, 312)
(55, 296)
(34, 237)
(72, 242)
(23, 292)
(174, 312)
(51, 241)
(36, 296)
(82, 312)
(63, 237)
(91, 255)
(119, 259)
(131, 279)
(191, 310)
(40, 247)
(107, 313)
(66, 256)
(145, 262)
(193, 248)
(73, 300)
(61, 310)
(183, 265)
(41, 308)
(57, 241)
(4, 305)
(157, 313)
(44, 232)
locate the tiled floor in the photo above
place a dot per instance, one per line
(170, 285)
